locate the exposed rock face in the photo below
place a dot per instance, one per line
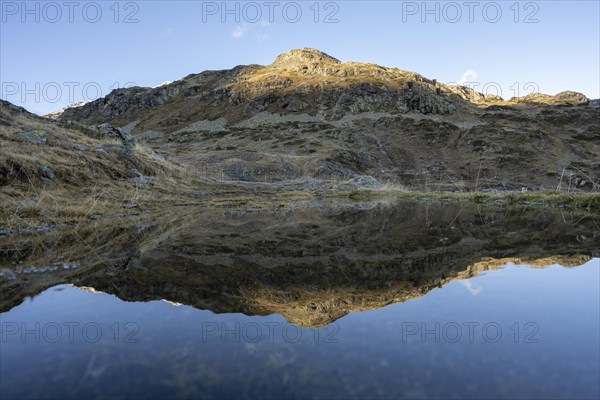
(473, 96)
(567, 97)
(116, 103)
(301, 59)
(8, 107)
(570, 97)
(116, 133)
(312, 81)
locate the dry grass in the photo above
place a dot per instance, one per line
(88, 176)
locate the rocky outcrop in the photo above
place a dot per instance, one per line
(567, 98)
(305, 60)
(108, 130)
(472, 95)
(10, 108)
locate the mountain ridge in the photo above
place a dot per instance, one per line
(280, 86)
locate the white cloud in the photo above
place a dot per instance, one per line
(468, 76)
(239, 32)
(474, 289)
(256, 30)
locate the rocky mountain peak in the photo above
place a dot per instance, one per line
(306, 55)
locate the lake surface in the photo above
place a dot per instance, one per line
(357, 300)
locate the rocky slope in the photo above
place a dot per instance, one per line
(52, 173)
(37, 152)
(308, 115)
(303, 81)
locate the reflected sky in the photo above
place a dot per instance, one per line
(512, 332)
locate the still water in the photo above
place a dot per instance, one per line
(382, 300)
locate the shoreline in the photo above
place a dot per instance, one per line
(55, 206)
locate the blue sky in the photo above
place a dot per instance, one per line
(72, 52)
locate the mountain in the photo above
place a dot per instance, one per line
(298, 82)
(308, 115)
(304, 81)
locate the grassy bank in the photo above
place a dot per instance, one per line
(45, 206)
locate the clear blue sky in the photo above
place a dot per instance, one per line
(171, 39)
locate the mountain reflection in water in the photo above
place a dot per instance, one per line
(300, 275)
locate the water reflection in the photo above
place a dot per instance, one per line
(311, 265)
(248, 303)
